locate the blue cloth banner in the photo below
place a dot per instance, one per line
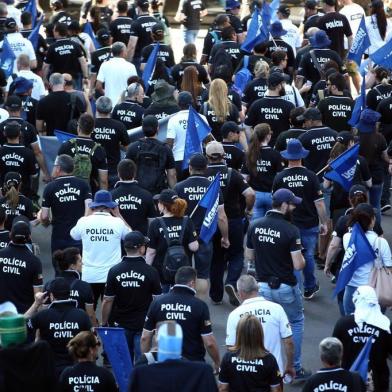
(343, 168)
(63, 136)
(253, 28)
(88, 29)
(360, 43)
(361, 363)
(149, 68)
(210, 201)
(116, 348)
(358, 253)
(7, 58)
(383, 56)
(34, 35)
(360, 104)
(31, 7)
(274, 8)
(197, 130)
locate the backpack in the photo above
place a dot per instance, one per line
(221, 57)
(82, 162)
(175, 256)
(215, 37)
(150, 164)
(242, 77)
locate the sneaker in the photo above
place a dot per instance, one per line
(302, 375)
(233, 297)
(310, 293)
(385, 208)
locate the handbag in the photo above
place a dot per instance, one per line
(381, 280)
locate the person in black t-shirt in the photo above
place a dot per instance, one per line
(191, 13)
(135, 203)
(312, 16)
(234, 156)
(129, 291)
(59, 15)
(258, 53)
(233, 9)
(4, 234)
(84, 349)
(257, 87)
(332, 374)
(64, 194)
(120, 27)
(381, 90)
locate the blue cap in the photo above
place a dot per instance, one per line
(103, 199)
(22, 85)
(368, 120)
(294, 151)
(284, 195)
(277, 30)
(320, 40)
(230, 4)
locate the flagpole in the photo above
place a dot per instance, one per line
(323, 169)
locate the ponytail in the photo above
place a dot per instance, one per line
(259, 134)
(12, 196)
(177, 208)
(378, 10)
(65, 258)
(337, 149)
(358, 198)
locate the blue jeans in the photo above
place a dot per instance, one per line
(262, 204)
(348, 304)
(203, 258)
(375, 193)
(309, 238)
(386, 193)
(190, 36)
(133, 340)
(290, 298)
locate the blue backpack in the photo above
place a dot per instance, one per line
(242, 77)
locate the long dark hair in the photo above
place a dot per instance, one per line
(377, 8)
(364, 218)
(260, 132)
(67, 257)
(369, 145)
(190, 82)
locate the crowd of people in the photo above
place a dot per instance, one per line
(123, 202)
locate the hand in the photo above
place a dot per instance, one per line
(248, 213)
(327, 270)
(115, 211)
(323, 229)
(216, 368)
(40, 298)
(225, 243)
(290, 371)
(47, 178)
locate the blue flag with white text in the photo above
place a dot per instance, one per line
(31, 7)
(88, 29)
(116, 348)
(361, 363)
(358, 252)
(149, 69)
(343, 168)
(34, 35)
(359, 106)
(7, 58)
(197, 130)
(383, 56)
(210, 201)
(360, 43)
(63, 136)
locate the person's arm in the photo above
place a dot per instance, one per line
(212, 349)
(250, 197)
(298, 260)
(145, 341)
(99, 87)
(107, 305)
(322, 214)
(44, 217)
(333, 250)
(170, 142)
(39, 125)
(349, 41)
(150, 255)
(172, 177)
(249, 254)
(224, 387)
(45, 72)
(39, 299)
(193, 246)
(103, 179)
(91, 314)
(83, 66)
(289, 351)
(223, 227)
(87, 210)
(41, 160)
(131, 47)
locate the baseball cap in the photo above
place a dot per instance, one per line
(141, 3)
(60, 288)
(357, 188)
(310, 114)
(330, 2)
(345, 137)
(157, 28)
(229, 126)
(284, 195)
(13, 102)
(275, 78)
(166, 196)
(311, 4)
(135, 239)
(12, 178)
(184, 99)
(198, 161)
(20, 230)
(284, 10)
(103, 35)
(214, 148)
(10, 23)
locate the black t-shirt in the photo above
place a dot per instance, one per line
(234, 156)
(141, 28)
(63, 57)
(336, 112)
(175, 226)
(132, 283)
(20, 272)
(311, 21)
(259, 374)
(28, 135)
(165, 53)
(98, 157)
(120, 29)
(212, 37)
(274, 111)
(24, 207)
(273, 239)
(58, 325)
(334, 379)
(191, 9)
(56, 109)
(354, 338)
(4, 238)
(178, 71)
(232, 188)
(29, 108)
(286, 136)
(377, 94)
(305, 184)
(279, 44)
(135, 204)
(161, 110)
(61, 17)
(253, 59)
(336, 26)
(129, 113)
(235, 22)
(319, 141)
(111, 134)
(255, 90)
(87, 376)
(269, 162)
(62, 195)
(385, 109)
(98, 57)
(233, 48)
(188, 311)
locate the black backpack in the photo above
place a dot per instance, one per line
(175, 256)
(221, 57)
(150, 162)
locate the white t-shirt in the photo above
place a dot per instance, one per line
(380, 246)
(293, 36)
(353, 12)
(101, 235)
(115, 73)
(176, 129)
(374, 34)
(14, 13)
(273, 318)
(293, 95)
(38, 84)
(20, 45)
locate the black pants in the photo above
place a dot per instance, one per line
(98, 290)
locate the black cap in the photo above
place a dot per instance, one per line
(157, 28)
(184, 99)
(345, 137)
(12, 178)
(275, 78)
(366, 208)
(357, 188)
(12, 130)
(311, 4)
(284, 10)
(20, 230)
(150, 123)
(13, 102)
(60, 288)
(135, 239)
(229, 126)
(10, 23)
(142, 3)
(198, 161)
(310, 114)
(331, 3)
(103, 35)
(166, 196)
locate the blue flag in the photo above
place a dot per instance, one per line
(210, 201)
(343, 167)
(196, 131)
(383, 56)
(31, 7)
(274, 8)
(116, 348)
(360, 43)
(149, 69)
(34, 35)
(7, 58)
(253, 28)
(361, 363)
(63, 136)
(360, 104)
(88, 29)
(358, 253)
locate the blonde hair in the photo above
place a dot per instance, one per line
(218, 99)
(261, 69)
